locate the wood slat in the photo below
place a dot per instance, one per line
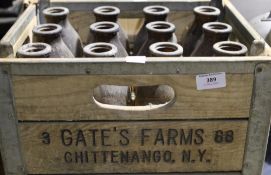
(18, 33)
(71, 97)
(174, 146)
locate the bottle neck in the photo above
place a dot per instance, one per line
(46, 38)
(99, 55)
(213, 38)
(99, 50)
(229, 48)
(104, 31)
(152, 18)
(34, 50)
(155, 13)
(204, 14)
(106, 13)
(57, 19)
(47, 33)
(201, 19)
(165, 49)
(160, 36)
(25, 55)
(218, 53)
(104, 37)
(111, 18)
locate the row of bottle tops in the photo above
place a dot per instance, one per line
(103, 50)
(58, 38)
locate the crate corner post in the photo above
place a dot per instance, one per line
(259, 121)
(10, 146)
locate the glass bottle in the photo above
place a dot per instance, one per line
(213, 32)
(158, 31)
(110, 13)
(151, 13)
(100, 50)
(107, 32)
(165, 49)
(51, 34)
(34, 50)
(203, 14)
(59, 15)
(229, 48)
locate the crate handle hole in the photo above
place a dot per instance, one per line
(133, 98)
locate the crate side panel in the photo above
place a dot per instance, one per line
(70, 97)
(20, 32)
(133, 147)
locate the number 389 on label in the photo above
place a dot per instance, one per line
(209, 80)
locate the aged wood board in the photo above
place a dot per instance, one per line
(133, 147)
(71, 97)
(20, 32)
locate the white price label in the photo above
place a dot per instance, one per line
(211, 81)
(135, 59)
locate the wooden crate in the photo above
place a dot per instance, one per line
(55, 120)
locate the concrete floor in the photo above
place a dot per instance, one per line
(252, 8)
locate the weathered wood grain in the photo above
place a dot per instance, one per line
(174, 146)
(9, 139)
(71, 97)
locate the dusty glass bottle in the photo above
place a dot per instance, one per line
(229, 48)
(165, 49)
(203, 14)
(59, 15)
(213, 32)
(158, 31)
(110, 13)
(151, 13)
(34, 50)
(107, 32)
(100, 50)
(51, 34)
